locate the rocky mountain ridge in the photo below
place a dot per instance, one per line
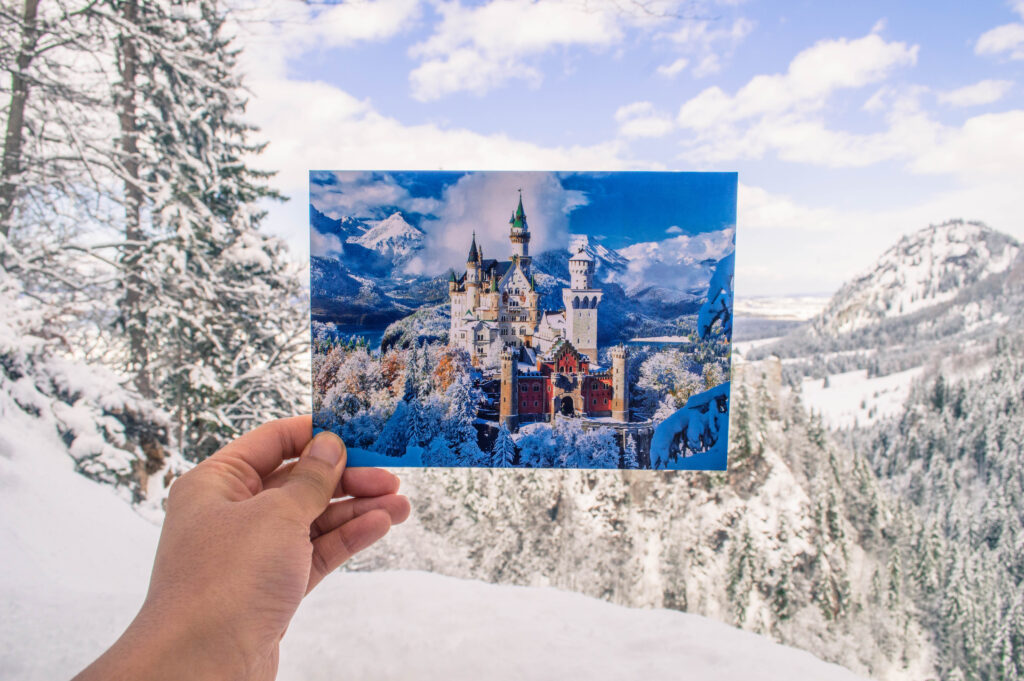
(923, 269)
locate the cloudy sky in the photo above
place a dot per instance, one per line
(849, 124)
(665, 223)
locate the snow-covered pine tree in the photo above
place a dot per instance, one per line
(596, 448)
(394, 436)
(458, 428)
(412, 373)
(504, 452)
(211, 306)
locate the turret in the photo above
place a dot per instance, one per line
(508, 409)
(581, 300)
(620, 386)
(453, 285)
(473, 254)
(473, 276)
(519, 234)
(581, 270)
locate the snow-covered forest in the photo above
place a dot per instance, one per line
(418, 405)
(147, 319)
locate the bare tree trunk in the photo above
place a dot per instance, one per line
(11, 166)
(133, 312)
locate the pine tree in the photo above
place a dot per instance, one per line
(504, 452)
(394, 437)
(458, 427)
(195, 266)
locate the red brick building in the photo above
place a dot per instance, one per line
(562, 382)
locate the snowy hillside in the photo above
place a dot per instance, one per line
(76, 564)
(925, 268)
(391, 237)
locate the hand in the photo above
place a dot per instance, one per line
(245, 537)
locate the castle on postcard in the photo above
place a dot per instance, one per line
(549, 362)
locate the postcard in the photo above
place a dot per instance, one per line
(523, 319)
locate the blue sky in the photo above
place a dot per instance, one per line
(849, 123)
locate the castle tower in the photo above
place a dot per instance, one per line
(620, 387)
(508, 410)
(581, 301)
(473, 276)
(519, 235)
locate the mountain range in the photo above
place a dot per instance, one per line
(363, 280)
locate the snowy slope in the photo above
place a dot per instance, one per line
(925, 268)
(76, 560)
(392, 237)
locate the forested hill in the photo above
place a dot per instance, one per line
(955, 454)
(936, 292)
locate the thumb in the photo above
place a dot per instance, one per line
(312, 480)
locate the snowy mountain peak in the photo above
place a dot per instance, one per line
(604, 256)
(393, 237)
(923, 269)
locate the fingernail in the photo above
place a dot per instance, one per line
(326, 448)
(398, 482)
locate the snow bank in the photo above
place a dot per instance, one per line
(853, 398)
(415, 625)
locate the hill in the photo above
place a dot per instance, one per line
(923, 269)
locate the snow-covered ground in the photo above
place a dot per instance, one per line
(852, 396)
(744, 347)
(795, 308)
(76, 560)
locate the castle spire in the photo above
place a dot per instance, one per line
(472, 250)
(518, 219)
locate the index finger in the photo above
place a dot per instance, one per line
(264, 448)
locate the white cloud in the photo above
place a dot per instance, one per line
(477, 48)
(674, 229)
(709, 42)
(760, 210)
(674, 263)
(483, 203)
(982, 92)
(363, 194)
(784, 115)
(641, 119)
(813, 75)
(674, 69)
(1008, 38)
(988, 146)
(276, 30)
(324, 244)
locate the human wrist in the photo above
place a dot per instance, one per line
(158, 646)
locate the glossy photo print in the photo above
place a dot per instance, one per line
(523, 319)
